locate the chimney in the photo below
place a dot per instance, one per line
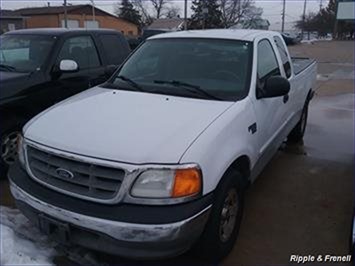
(48, 4)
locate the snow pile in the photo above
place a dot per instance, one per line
(21, 242)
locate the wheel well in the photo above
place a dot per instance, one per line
(310, 95)
(242, 164)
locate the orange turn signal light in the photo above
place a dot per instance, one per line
(187, 182)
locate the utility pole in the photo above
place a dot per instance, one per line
(65, 14)
(283, 16)
(93, 9)
(304, 15)
(320, 5)
(185, 15)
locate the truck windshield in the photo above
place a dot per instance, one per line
(24, 53)
(201, 68)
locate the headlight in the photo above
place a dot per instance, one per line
(167, 183)
(20, 150)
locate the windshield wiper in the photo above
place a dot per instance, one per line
(8, 67)
(131, 82)
(196, 88)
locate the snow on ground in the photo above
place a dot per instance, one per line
(312, 40)
(21, 242)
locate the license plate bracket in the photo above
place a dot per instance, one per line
(55, 228)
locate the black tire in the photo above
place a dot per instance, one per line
(351, 243)
(297, 133)
(214, 243)
(9, 130)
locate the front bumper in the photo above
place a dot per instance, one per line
(127, 239)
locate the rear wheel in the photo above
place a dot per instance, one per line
(222, 228)
(297, 133)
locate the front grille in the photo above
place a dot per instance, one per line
(85, 179)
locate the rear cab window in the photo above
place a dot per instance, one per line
(113, 47)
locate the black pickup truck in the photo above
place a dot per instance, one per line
(40, 67)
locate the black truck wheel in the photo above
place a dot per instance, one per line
(222, 228)
(9, 140)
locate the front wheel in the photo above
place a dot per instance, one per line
(9, 141)
(222, 228)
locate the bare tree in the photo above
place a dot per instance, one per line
(143, 10)
(159, 7)
(173, 11)
(233, 11)
(251, 17)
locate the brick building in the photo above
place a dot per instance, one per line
(78, 16)
(10, 21)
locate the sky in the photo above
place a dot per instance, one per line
(272, 8)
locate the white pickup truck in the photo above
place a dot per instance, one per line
(156, 160)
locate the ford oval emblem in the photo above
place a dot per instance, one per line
(64, 173)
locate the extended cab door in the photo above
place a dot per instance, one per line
(83, 51)
(290, 105)
(269, 111)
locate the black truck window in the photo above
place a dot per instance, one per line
(284, 57)
(113, 48)
(82, 50)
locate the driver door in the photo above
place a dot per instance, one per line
(82, 50)
(269, 111)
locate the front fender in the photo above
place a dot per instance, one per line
(225, 140)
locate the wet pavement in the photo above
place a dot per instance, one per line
(302, 203)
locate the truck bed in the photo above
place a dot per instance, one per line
(301, 63)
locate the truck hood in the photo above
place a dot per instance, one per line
(125, 126)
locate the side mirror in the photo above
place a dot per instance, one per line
(67, 65)
(109, 70)
(275, 86)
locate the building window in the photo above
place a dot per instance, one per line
(71, 23)
(91, 24)
(11, 26)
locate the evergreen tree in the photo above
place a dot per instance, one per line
(206, 15)
(127, 11)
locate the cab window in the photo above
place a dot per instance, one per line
(284, 56)
(267, 62)
(82, 50)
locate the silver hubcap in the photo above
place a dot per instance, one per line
(228, 215)
(9, 147)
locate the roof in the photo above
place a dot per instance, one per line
(232, 34)
(166, 23)
(54, 10)
(56, 31)
(46, 10)
(5, 13)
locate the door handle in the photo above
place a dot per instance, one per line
(286, 97)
